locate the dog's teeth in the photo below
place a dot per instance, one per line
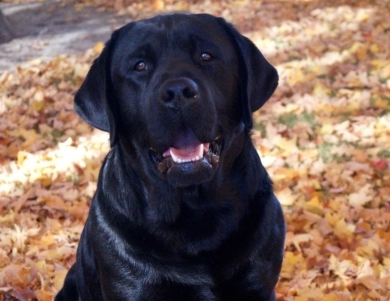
(174, 158)
(196, 158)
(201, 150)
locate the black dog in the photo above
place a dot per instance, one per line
(184, 210)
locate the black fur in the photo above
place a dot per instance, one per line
(209, 230)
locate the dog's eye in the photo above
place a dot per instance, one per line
(140, 66)
(206, 57)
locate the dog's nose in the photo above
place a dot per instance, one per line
(178, 89)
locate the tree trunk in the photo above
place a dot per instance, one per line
(6, 33)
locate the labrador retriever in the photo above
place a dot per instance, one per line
(184, 209)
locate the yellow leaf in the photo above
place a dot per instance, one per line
(287, 144)
(342, 268)
(29, 137)
(301, 238)
(379, 64)
(289, 262)
(332, 218)
(331, 297)
(338, 296)
(295, 77)
(374, 48)
(39, 96)
(286, 197)
(355, 47)
(365, 276)
(314, 294)
(362, 197)
(44, 295)
(158, 5)
(59, 277)
(8, 217)
(320, 91)
(361, 52)
(38, 105)
(381, 103)
(41, 265)
(47, 240)
(45, 180)
(98, 47)
(316, 184)
(385, 72)
(314, 206)
(22, 155)
(344, 230)
(81, 70)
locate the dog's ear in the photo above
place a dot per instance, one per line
(258, 78)
(91, 101)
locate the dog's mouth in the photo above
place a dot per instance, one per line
(208, 152)
(187, 153)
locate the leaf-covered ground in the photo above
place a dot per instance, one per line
(324, 138)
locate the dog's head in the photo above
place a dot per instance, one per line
(173, 89)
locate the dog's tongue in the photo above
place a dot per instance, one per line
(186, 148)
(190, 153)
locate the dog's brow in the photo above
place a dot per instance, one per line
(146, 50)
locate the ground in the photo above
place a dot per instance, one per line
(44, 30)
(324, 137)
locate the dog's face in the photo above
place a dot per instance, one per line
(172, 91)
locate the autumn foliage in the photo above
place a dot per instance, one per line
(324, 137)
